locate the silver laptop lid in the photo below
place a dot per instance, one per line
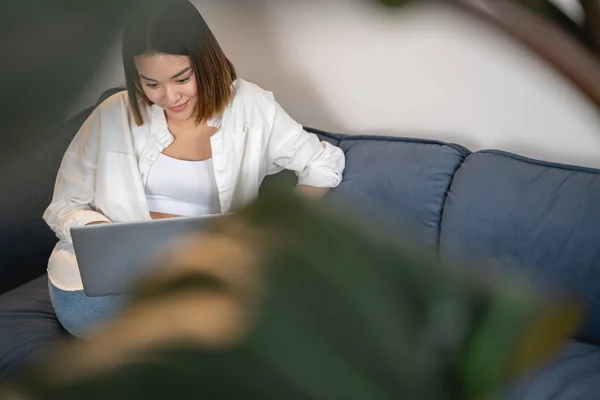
(113, 256)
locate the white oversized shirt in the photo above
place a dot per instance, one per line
(104, 171)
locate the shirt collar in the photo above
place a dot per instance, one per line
(215, 122)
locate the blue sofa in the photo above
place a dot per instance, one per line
(487, 208)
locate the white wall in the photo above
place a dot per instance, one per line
(427, 71)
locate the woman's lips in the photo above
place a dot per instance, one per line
(179, 108)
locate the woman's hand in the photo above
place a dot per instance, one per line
(157, 215)
(153, 215)
(311, 191)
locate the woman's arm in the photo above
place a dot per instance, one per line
(312, 191)
(74, 190)
(318, 165)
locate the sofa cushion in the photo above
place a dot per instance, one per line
(398, 182)
(539, 219)
(28, 325)
(573, 374)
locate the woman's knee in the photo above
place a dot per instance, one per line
(80, 314)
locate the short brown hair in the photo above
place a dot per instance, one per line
(176, 27)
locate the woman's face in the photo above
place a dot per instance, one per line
(169, 82)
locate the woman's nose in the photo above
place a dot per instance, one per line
(172, 96)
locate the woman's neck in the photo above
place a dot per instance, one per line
(190, 128)
(189, 124)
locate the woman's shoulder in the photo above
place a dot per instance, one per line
(112, 118)
(114, 103)
(115, 111)
(248, 93)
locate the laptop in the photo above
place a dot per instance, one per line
(113, 256)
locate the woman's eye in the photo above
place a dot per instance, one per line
(183, 80)
(152, 85)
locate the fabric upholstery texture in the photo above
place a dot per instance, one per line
(573, 374)
(538, 219)
(27, 186)
(28, 325)
(388, 180)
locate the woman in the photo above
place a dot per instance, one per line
(188, 138)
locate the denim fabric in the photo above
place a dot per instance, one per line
(80, 314)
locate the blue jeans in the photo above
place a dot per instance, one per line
(79, 314)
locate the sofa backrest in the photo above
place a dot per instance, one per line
(488, 209)
(27, 186)
(400, 183)
(539, 219)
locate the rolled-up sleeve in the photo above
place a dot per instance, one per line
(74, 190)
(316, 163)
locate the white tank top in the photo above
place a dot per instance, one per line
(180, 187)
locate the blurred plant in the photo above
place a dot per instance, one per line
(291, 300)
(587, 33)
(395, 2)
